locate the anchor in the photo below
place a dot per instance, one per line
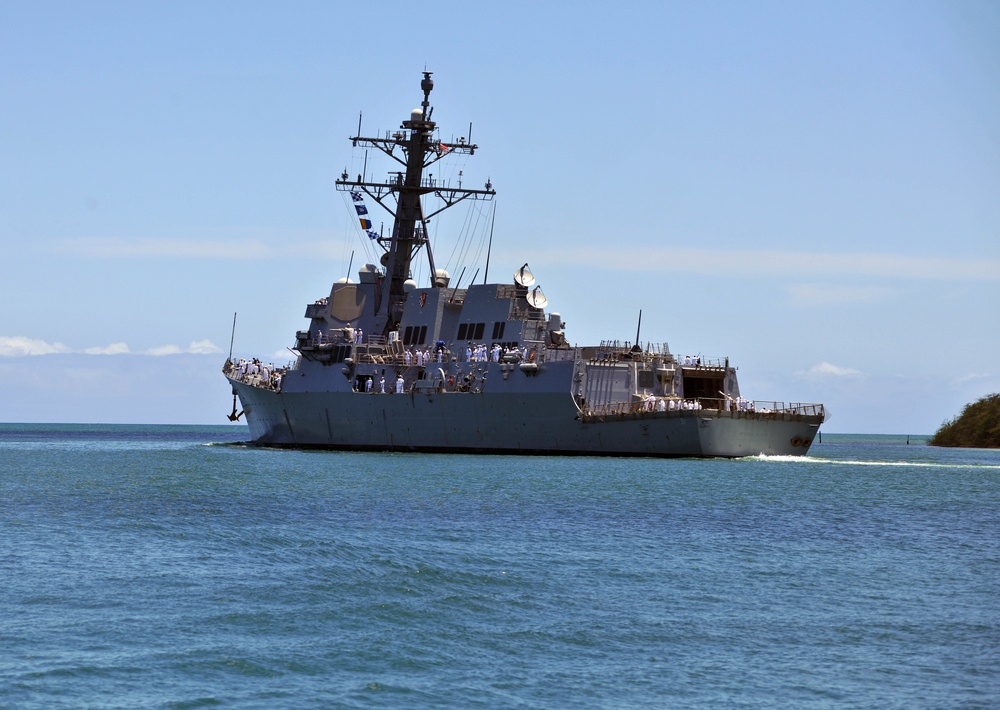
(234, 417)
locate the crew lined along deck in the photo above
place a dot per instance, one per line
(668, 406)
(377, 351)
(353, 343)
(255, 373)
(399, 379)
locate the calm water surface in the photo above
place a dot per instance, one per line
(170, 567)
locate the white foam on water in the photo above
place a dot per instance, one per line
(846, 462)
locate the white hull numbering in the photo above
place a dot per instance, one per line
(387, 365)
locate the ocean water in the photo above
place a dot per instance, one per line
(172, 567)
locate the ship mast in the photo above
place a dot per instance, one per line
(401, 197)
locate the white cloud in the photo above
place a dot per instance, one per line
(108, 248)
(826, 368)
(975, 377)
(204, 347)
(241, 249)
(712, 262)
(113, 349)
(794, 264)
(198, 347)
(19, 346)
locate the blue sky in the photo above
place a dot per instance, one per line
(808, 188)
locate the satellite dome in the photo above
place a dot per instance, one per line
(344, 280)
(417, 114)
(441, 278)
(409, 285)
(368, 273)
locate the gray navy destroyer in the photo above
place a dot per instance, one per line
(387, 364)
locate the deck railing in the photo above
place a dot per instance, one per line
(266, 377)
(733, 408)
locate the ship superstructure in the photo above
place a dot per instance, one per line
(388, 364)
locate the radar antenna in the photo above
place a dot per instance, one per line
(536, 298)
(401, 195)
(523, 277)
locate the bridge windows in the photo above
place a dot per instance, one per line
(415, 335)
(470, 331)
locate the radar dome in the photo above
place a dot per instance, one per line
(409, 285)
(344, 280)
(368, 273)
(441, 278)
(417, 114)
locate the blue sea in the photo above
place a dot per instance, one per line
(175, 567)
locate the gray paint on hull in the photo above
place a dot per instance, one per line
(506, 423)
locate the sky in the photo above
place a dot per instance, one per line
(810, 189)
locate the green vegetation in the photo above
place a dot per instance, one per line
(978, 426)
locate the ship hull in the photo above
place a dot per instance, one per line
(510, 423)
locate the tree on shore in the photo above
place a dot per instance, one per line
(978, 426)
